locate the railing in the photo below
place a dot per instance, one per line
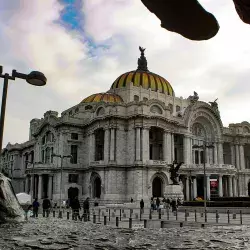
(148, 218)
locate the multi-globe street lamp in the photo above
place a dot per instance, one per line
(61, 157)
(35, 78)
(204, 147)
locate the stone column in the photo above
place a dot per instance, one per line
(145, 144)
(32, 191)
(242, 157)
(91, 147)
(40, 187)
(194, 188)
(215, 154)
(187, 189)
(138, 144)
(232, 154)
(220, 153)
(106, 145)
(172, 147)
(50, 187)
(220, 186)
(208, 187)
(165, 146)
(27, 184)
(112, 145)
(230, 186)
(207, 158)
(235, 194)
(237, 156)
(186, 150)
(169, 147)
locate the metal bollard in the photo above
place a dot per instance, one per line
(145, 223)
(228, 216)
(43, 213)
(162, 224)
(109, 214)
(185, 214)
(203, 225)
(150, 214)
(105, 220)
(159, 214)
(217, 216)
(120, 214)
(60, 214)
(130, 222)
(67, 215)
(117, 221)
(167, 213)
(181, 224)
(240, 217)
(205, 215)
(195, 216)
(54, 213)
(94, 218)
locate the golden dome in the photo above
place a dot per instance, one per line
(143, 77)
(102, 97)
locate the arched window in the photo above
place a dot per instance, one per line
(136, 98)
(145, 99)
(156, 109)
(100, 111)
(178, 108)
(246, 130)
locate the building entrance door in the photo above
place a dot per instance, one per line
(97, 188)
(157, 187)
(72, 193)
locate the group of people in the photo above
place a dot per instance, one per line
(47, 205)
(157, 204)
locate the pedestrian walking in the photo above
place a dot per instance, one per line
(86, 207)
(35, 206)
(142, 206)
(75, 206)
(46, 206)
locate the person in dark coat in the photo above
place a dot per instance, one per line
(35, 206)
(174, 205)
(142, 206)
(46, 206)
(75, 206)
(86, 206)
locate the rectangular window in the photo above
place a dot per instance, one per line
(74, 136)
(151, 151)
(52, 152)
(196, 152)
(74, 150)
(202, 156)
(73, 178)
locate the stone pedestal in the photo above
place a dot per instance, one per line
(173, 192)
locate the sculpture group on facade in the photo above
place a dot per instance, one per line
(174, 168)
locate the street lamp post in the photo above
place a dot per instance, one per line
(35, 78)
(204, 146)
(61, 157)
(33, 181)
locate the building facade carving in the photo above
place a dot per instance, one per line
(122, 143)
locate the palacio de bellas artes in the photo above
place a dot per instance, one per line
(123, 141)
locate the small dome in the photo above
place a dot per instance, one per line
(102, 97)
(143, 77)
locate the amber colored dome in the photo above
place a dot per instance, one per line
(146, 79)
(102, 97)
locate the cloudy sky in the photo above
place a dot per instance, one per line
(82, 46)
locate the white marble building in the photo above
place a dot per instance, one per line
(122, 141)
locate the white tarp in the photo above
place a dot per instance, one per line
(24, 198)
